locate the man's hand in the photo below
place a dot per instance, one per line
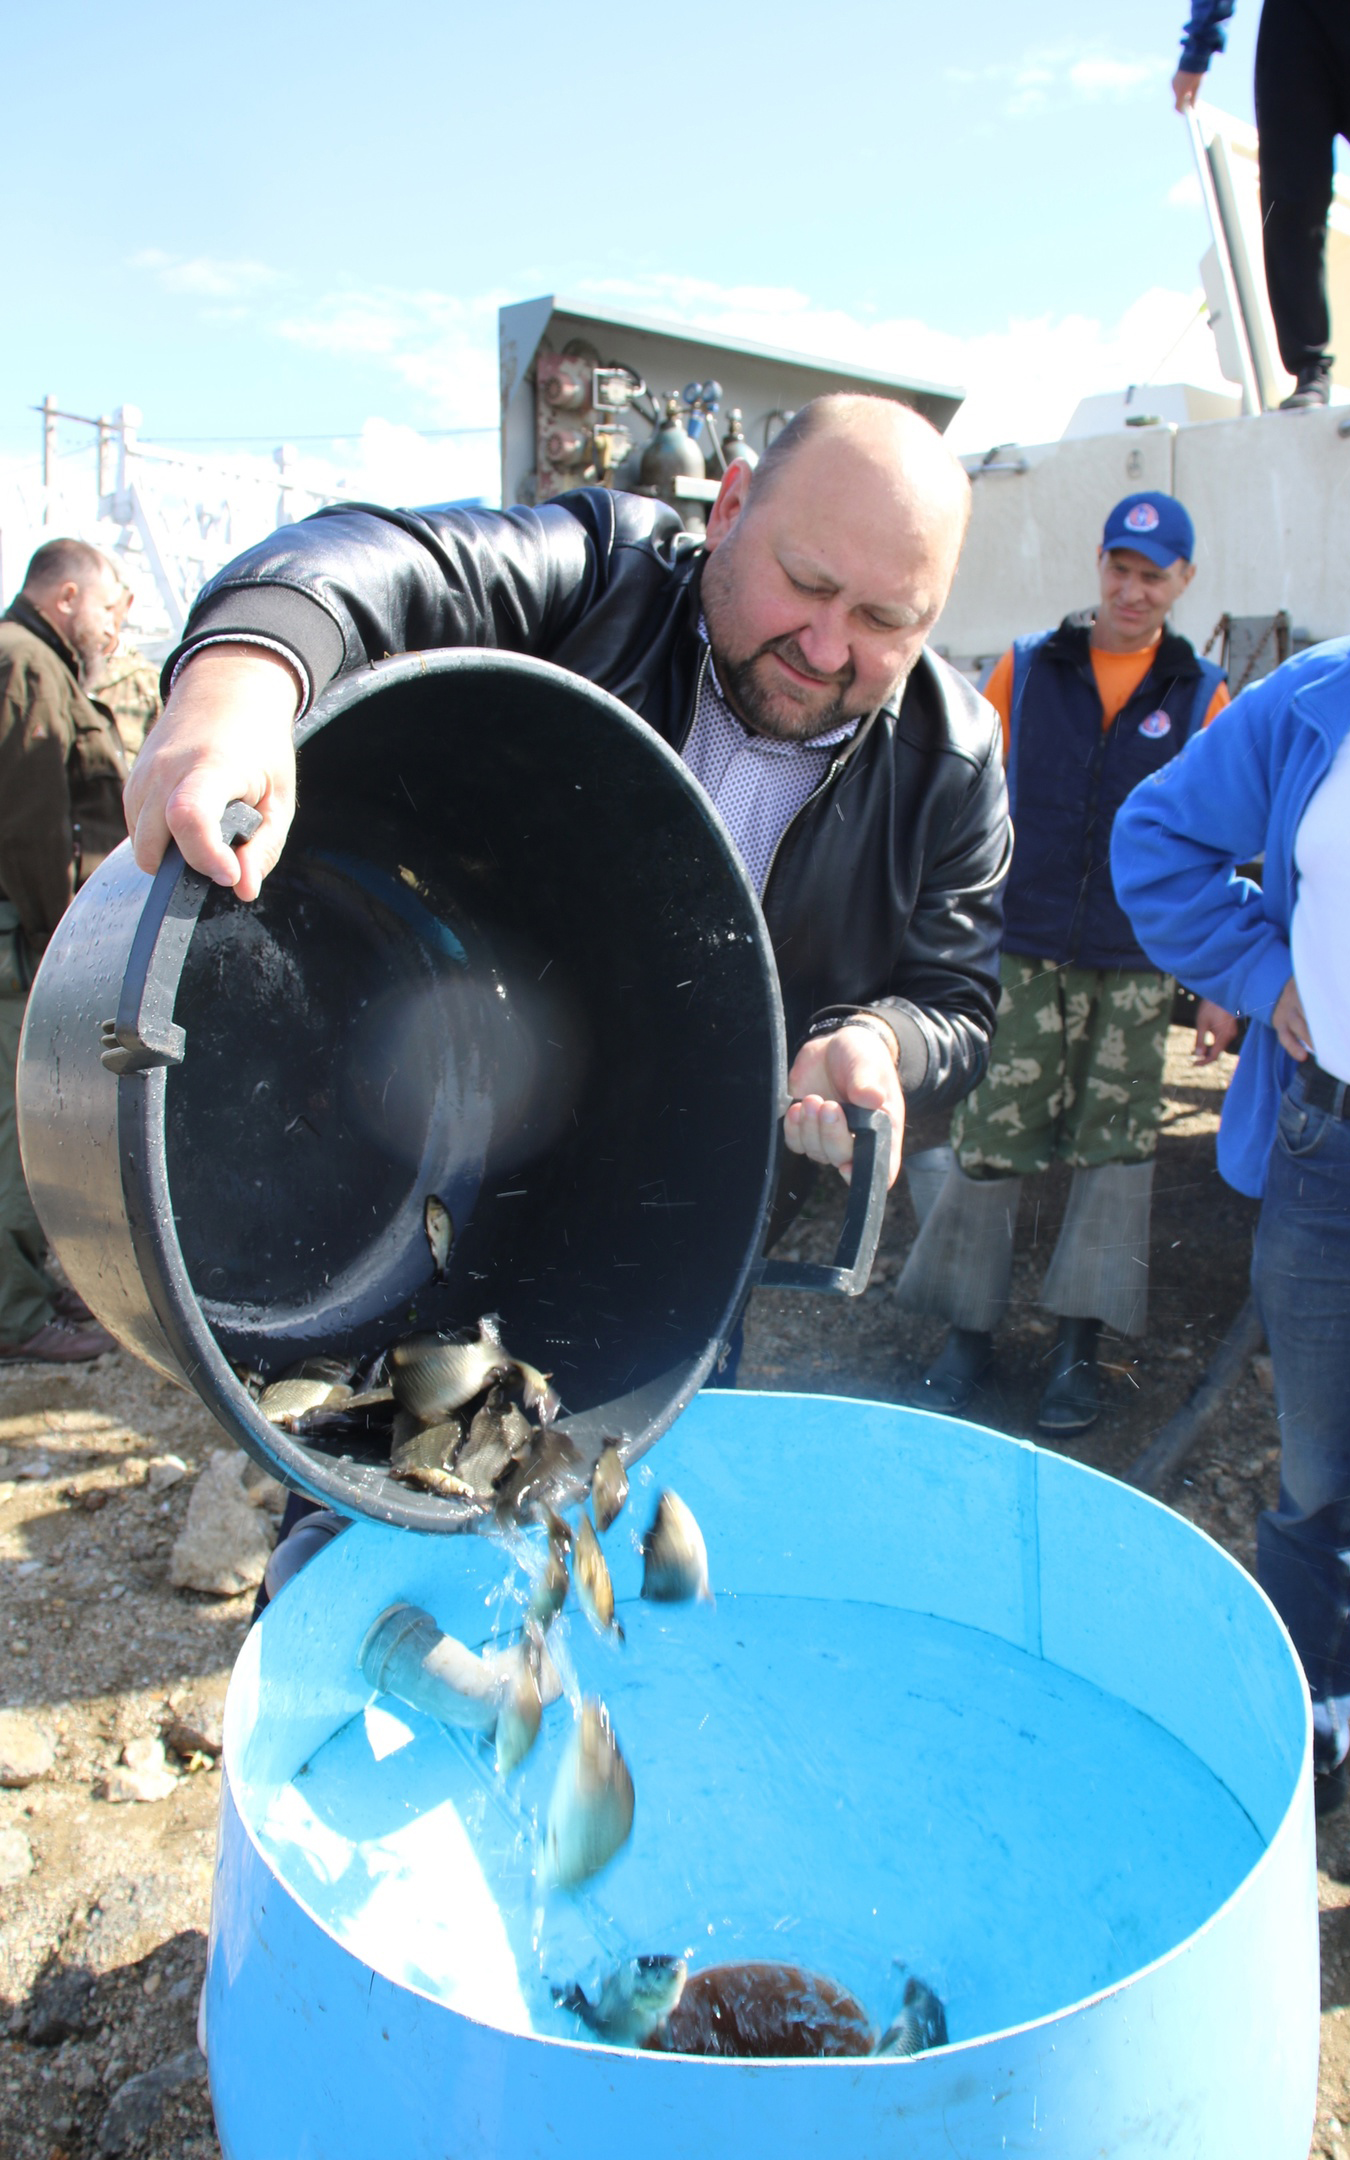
(1185, 88)
(1290, 1023)
(1214, 1032)
(225, 735)
(851, 1066)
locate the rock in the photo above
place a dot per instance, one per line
(1263, 1373)
(142, 1774)
(188, 1737)
(164, 1471)
(137, 2105)
(26, 1753)
(16, 1857)
(61, 2010)
(263, 1491)
(224, 1545)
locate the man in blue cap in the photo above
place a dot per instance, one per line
(1088, 710)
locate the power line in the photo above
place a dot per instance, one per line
(334, 435)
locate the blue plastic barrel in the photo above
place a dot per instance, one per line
(963, 1709)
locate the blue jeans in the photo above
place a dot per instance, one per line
(1301, 1281)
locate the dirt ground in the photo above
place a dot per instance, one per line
(103, 1939)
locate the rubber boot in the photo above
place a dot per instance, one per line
(1072, 1398)
(952, 1381)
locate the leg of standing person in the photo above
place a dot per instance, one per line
(960, 1266)
(1302, 102)
(1301, 1281)
(1115, 1055)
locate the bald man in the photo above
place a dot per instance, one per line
(783, 657)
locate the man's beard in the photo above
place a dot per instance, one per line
(778, 716)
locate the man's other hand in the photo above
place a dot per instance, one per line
(1185, 89)
(1214, 1032)
(851, 1066)
(224, 736)
(1290, 1023)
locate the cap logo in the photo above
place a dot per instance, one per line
(1157, 723)
(1143, 518)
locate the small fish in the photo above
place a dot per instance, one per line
(522, 1701)
(590, 1813)
(439, 1225)
(674, 1556)
(763, 2009)
(548, 1467)
(423, 1457)
(636, 1998)
(922, 2023)
(559, 1529)
(296, 1396)
(609, 1487)
(595, 1591)
(494, 1437)
(434, 1374)
(549, 1592)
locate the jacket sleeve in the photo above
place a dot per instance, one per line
(1175, 848)
(355, 583)
(36, 841)
(1203, 35)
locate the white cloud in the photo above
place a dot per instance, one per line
(206, 276)
(1059, 76)
(1184, 194)
(443, 347)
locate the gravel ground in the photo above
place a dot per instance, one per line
(104, 1905)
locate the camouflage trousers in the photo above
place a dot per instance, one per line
(1077, 1071)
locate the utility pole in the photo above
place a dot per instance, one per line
(48, 453)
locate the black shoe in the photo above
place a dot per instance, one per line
(1312, 387)
(1072, 1398)
(952, 1381)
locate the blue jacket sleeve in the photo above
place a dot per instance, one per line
(1175, 848)
(1203, 36)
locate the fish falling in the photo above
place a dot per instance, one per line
(609, 1487)
(439, 1225)
(634, 2000)
(674, 1556)
(595, 1591)
(590, 1814)
(922, 2023)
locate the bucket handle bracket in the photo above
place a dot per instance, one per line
(848, 1277)
(144, 1033)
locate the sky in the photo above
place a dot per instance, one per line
(292, 222)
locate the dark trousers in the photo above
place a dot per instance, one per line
(1302, 105)
(1301, 1280)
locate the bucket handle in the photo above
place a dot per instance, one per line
(848, 1277)
(144, 1033)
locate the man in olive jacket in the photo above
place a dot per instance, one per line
(784, 660)
(62, 771)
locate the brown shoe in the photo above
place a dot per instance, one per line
(60, 1343)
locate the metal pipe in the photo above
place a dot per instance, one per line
(1251, 395)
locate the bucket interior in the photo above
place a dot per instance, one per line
(985, 1717)
(508, 958)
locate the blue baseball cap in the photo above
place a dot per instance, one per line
(1154, 525)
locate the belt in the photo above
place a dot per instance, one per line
(1322, 1090)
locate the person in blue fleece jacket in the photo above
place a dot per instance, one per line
(1302, 105)
(1272, 777)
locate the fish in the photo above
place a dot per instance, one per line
(548, 1466)
(548, 1593)
(609, 1487)
(595, 1591)
(298, 1394)
(432, 1375)
(674, 1556)
(497, 1433)
(922, 2023)
(763, 2009)
(590, 1813)
(633, 2001)
(521, 1705)
(439, 1225)
(423, 1458)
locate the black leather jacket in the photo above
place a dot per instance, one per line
(886, 889)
